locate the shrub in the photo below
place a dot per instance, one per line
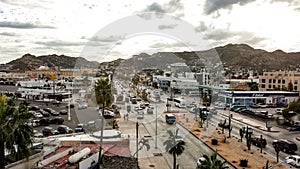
(214, 142)
(244, 162)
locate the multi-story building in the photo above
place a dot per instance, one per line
(279, 80)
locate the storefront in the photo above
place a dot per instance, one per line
(257, 97)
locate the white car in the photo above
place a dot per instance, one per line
(140, 115)
(82, 105)
(293, 160)
(36, 114)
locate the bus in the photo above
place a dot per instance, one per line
(170, 118)
(179, 102)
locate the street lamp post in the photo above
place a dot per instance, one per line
(69, 107)
(156, 127)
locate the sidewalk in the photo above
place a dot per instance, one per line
(153, 158)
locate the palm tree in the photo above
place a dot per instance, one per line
(174, 145)
(104, 99)
(212, 162)
(15, 134)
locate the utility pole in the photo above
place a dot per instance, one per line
(137, 140)
(156, 128)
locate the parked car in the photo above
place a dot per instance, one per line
(44, 122)
(36, 114)
(285, 145)
(63, 112)
(34, 108)
(51, 111)
(49, 131)
(37, 134)
(79, 128)
(33, 123)
(44, 113)
(56, 120)
(257, 141)
(62, 129)
(293, 160)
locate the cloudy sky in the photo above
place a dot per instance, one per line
(106, 30)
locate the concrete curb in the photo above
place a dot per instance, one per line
(228, 162)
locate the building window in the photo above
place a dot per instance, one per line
(263, 80)
(279, 80)
(295, 88)
(271, 74)
(279, 74)
(266, 74)
(274, 80)
(283, 81)
(296, 82)
(263, 86)
(274, 87)
(270, 86)
(270, 80)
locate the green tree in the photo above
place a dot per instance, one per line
(212, 162)
(104, 99)
(254, 86)
(174, 146)
(14, 131)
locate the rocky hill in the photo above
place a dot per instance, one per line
(239, 56)
(28, 62)
(235, 56)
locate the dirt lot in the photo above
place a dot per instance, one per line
(233, 149)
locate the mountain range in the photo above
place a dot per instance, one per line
(235, 56)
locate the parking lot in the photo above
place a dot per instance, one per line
(53, 121)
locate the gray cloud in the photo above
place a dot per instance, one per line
(201, 28)
(291, 2)
(107, 39)
(218, 34)
(225, 36)
(55, 43)
(174, 7)
(155, 7)
(172, 26)
(8, 34)
(19, 25)
(167, 45)
(214, 5)
(28, 4)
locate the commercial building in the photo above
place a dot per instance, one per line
(280, 80)
(256, 97)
